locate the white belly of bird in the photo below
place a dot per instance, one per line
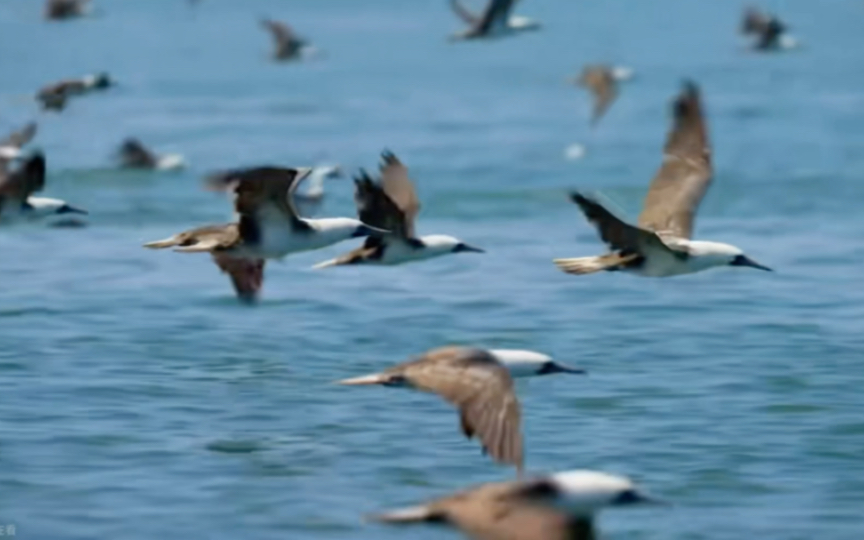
(277, 242)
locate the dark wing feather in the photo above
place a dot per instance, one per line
(26, 180)
(376, 208)
(497, 12)
(258, 186)
(463, 13)
(482, 389)
(400, 190)
(21, 137)
(685, 175)
(247, 275)
(615, 232)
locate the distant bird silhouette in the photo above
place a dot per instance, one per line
(54, 96)
(132, 154)
(17, 187)
(10, 147)
(58, 10)
(495, 21)
(660, 245)
(767, 29)
(287, 44)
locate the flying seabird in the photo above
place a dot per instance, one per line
(267, 227)
(287, 44)
(57, 10)
(559, 506)
(392, 205)
(769, 31)
(602, 81)
(314, 191)
(132, 154)
(10, 147)
(660, 245)
(479, 383)
(495, 21)
(54, 96)
(17, 188)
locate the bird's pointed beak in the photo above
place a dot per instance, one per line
(743, 260)
(465, 248)
(554, 367)
(67, 209)
(376, 378)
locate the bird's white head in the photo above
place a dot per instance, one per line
(710, 254)
(53, 211)
(10, 152)
(585, 492)
(439, 244)
(523, 363)
(518, 22)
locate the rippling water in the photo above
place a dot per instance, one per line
(140, 400)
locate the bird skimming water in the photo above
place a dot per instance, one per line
(268, 226)
(480, 383)
(392, 205)
(559, 506)
(660, 245)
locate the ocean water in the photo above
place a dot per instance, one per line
(140, 400)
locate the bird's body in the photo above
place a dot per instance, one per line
(660, 245)
(560, 506)
(392, 205)
(495, 21)
(313, 194)
(54, 96)
(268, 226)
(59, 10)
(17, 203)
(479, 383)
(132, 154)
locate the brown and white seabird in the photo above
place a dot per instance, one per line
(768, 30)
(559, 506)
(660, 245)
(479, 382)
(132, 154)
(10, 147)
(287, 44)
(602, 81)
(392, 205)
(54, 96)
(268, 226)
(495, 21)
(59, 10)
(16, 195)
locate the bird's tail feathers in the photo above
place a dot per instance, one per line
(326, 264)
(590, 265)
(411, 514)
(162, 244)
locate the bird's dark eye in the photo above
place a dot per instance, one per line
(459, 247)
(739, 260)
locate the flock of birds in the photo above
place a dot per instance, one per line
(270, 224)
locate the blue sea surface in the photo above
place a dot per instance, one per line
(140, 400)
